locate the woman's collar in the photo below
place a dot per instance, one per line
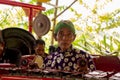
(67, 50)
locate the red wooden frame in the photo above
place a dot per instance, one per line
(107, 64)
(29, 6)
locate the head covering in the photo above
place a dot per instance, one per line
(64, 23)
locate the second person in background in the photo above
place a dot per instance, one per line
(39, 54)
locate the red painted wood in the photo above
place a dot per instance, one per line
(107, 63)
(29, 6)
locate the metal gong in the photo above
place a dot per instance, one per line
(20, 39)
(41, 25)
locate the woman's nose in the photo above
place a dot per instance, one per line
(65, 37)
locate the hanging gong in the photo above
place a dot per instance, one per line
(41, 25)
(19, 38)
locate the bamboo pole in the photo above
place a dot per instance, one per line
(64, 10)
(54, 23)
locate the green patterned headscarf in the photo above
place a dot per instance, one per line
(64, 23)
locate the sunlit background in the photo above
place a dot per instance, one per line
(97, 22)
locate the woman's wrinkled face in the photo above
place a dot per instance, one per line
(65, 37)
(39, 49)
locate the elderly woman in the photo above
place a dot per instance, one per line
(67, 58)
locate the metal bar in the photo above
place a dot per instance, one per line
(30, 19)
(14, 3)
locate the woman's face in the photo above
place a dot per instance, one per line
(65, 37)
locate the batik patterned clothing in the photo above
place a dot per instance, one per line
(68, 60)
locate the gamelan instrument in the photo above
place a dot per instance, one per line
(41, 25)
(21, 73)
(20, 39)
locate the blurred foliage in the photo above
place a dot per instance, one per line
(96, 33)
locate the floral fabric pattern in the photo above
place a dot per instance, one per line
(68, 60)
